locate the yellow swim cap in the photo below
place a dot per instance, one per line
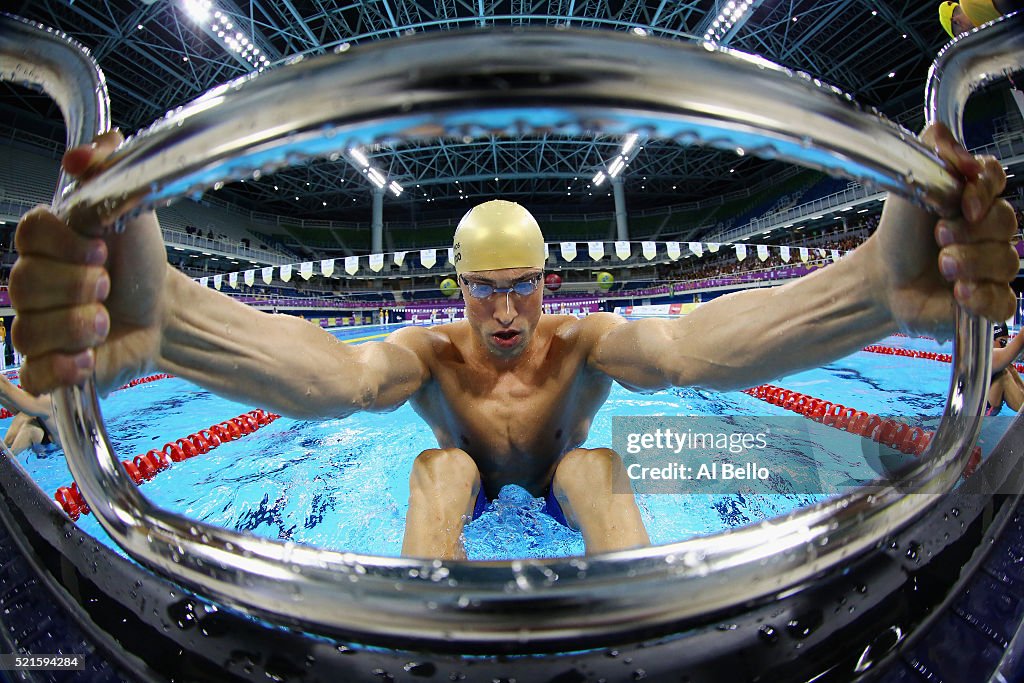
(946, 16)
(495, 235)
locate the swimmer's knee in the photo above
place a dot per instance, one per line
(587, 467)
(444, 466)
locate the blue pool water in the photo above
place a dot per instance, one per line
(343, 484)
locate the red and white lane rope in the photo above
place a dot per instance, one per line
(897, 435)
(142, 468)
(911, 353)
(4, 413)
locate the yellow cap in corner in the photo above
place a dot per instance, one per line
(495, 235)
(946, 16)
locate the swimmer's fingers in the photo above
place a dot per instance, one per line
(992, 300)
(987, 261)
(984, 178)
(62, 330)
(981, 191)
(939, 138)
(43, 234)
(41, 374)
(998, 225)
(85, 161)
(40, 285)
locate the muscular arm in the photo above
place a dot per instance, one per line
(1002, 358)
(746, 338)
(17, 400)
(278, 361)
(910, 274)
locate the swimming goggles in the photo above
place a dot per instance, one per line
(480, 290)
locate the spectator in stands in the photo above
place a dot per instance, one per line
(1006, 386)
(508, 392)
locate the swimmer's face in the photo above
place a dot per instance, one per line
(960, 23)
(505, 321)
(1001, 341)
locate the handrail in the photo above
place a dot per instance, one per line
(568, 81)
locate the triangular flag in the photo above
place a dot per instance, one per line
(451, 256)
(673, 250)
(822, 253)
(649, 249)
(762, 252)
(327, 267)
(596, 250)
(623, 250)
(741, 252)
(217, 280)
(286, 272)
(233, 280)
(428, 257)
(835, 254)
(400, 258)
(376, 262)
(250, 277)
(696, 248)
(713, 247)
(568, 250)
(203, 281)
(784, 252)
(803, 254)
(351, 264)
(268, 275)
(547, 252)
(306, 270)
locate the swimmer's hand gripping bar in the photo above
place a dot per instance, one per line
(568, 82)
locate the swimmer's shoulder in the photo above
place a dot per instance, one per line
(584, 333)
(429, 342)
(587, 329)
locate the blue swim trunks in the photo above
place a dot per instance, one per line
(551, 507)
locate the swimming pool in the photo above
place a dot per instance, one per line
(343, 484)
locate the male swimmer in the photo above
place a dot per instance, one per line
(508, 392)
(1006, 385)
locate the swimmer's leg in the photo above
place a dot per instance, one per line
(1013, 389)
(995, 394)
(442, 493)
(597, 498)
(22, 434)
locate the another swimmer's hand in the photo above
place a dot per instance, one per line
(86, 298)
(966, 259)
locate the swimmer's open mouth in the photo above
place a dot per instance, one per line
(506, 337)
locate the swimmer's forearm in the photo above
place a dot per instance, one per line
(1004, 357)
(18, 400)
(755, 336)
(279, 362)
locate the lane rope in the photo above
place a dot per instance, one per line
(912, 353)
(143, 468)
(5, 413)
(900, 436)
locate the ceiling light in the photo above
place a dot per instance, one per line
(359, 157)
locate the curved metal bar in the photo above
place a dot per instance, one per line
(36, 56)
(569, 82)
(967, 63)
